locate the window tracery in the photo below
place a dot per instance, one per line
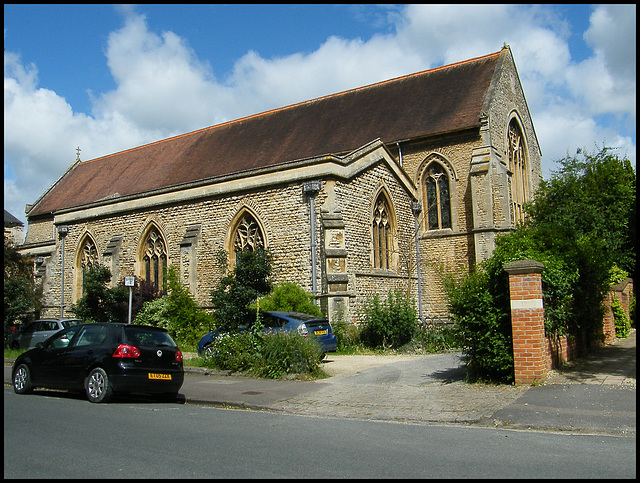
(382, 242)
(438, 198)
(518, 168)
(155, 259)
(88, 260)
(248, 235)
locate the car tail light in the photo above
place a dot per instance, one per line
(302, 330)
(178, 356)
(126, 351)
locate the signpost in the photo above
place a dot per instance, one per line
(130, 282)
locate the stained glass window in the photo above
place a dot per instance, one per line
(438, 198)
(381, 233)
(518, 168)
(155, 259)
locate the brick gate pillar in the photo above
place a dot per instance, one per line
(527, 320)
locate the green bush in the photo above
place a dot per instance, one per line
(290, 297)
(286, 353)
(271, 354)
(390, 323)
(483, 327)
(178, 312)
(347, 335)
(234, 352)
(622, 323)
(434, 338)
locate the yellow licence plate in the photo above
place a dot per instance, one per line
(166, 377)
(320, 332)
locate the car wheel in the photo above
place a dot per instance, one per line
(22, 380)
(97, 386)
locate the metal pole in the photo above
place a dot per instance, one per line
(130, 282)
(130, 297)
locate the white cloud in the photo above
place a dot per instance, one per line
(163, 88)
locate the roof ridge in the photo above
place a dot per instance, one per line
(290, 106)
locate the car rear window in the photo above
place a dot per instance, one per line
(148, 338)
(69, 323)
(303, 317)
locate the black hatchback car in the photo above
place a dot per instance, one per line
(103, 359)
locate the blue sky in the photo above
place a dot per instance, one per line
(108, 77)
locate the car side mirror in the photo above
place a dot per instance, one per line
(39, 345)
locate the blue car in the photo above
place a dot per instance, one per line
(305, 324)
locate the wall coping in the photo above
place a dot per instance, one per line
(524, 266)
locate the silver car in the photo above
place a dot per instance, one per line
(39, 331)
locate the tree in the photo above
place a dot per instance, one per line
(101, 303)
(581, 225)
(22, 296)
(250, 279)
(594, 196)
(96, 303)
(177, 311)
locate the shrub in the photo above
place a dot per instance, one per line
(434, 338)
(621, 321)
(391, 323)
(286, 353)
(234, 352)
(347, 335)
(178, 312)
(483, 328)
(271, 354)
(290, 297)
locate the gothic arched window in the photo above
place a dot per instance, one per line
(245, 235)
(248, 235)
(88, 258)
(438, 198)
(518, 168)
(382, 233)
(154, 259)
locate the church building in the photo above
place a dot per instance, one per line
(380, 188)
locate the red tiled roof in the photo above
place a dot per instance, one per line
(427, 103)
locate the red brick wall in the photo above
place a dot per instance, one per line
(527, 321)
(533, 353)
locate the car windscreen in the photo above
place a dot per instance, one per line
(142, 337)
(70, 323)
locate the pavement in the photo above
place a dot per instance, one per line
(592, 395)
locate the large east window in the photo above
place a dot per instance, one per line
(518, 168)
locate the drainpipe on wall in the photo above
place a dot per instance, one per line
(62, 231)
(416, 207)
(311, 188)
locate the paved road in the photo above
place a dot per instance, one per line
(593, 395)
